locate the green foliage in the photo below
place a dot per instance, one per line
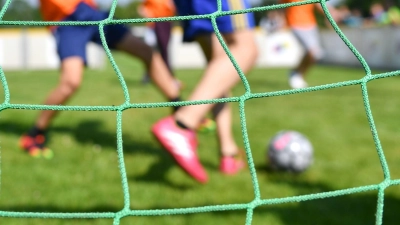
(362, 5)
(21, 10)
(365, 5)
(128, 11)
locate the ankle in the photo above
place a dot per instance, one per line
(34, 131)
(175, 108)
(231, 154)
(181, 125)
(183, 122)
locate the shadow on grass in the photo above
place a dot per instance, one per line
(357, 209)
(88, 132)
(91, 132)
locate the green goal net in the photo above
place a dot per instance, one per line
(126, 211)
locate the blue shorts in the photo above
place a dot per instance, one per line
(72, 40)
(226, 24)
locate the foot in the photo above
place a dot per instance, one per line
(182, 145)
(231, 165)
(35, 146)
(297, 81)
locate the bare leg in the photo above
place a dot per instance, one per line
(153, 62)
(222, 112)
(223, 117)
(163, 34)
(220, 76)
(70, 80)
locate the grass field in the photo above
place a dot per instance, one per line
(84, 175)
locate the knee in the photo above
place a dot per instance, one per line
(69, 87)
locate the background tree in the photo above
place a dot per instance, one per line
(128, 11)
(20, 10)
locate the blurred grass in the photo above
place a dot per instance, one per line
(84, 175)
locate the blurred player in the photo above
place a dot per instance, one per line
(302, 22)
(176, 133)
(71, 45)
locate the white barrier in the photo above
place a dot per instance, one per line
(35, 49)
(279, 49)
(380, 47)
(275, 50)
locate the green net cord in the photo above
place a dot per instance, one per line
(257, 201)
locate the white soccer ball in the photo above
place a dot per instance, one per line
(290, 151)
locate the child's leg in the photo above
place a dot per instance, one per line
(232, 158)
(305, 64)
(70, 80)
(220, 76)
(222, 113)
(309, 39)
(176, 133)
(154, 63)
(34, 142)
(163, 34)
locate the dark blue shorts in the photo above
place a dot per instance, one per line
(72, 40)
(226, 24)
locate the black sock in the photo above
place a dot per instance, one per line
(36, 131)
(175, 108)
(181, 125)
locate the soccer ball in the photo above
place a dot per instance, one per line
(290, 151)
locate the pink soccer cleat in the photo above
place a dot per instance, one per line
(182, 145)
(231, 165)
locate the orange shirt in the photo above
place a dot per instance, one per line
(57, 10)
(157, 8)
(300, 16)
